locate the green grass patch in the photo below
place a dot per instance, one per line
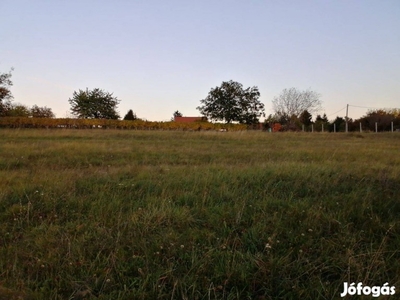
(108, 214)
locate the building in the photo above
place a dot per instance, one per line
(190, 119)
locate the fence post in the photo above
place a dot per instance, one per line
(376, 126)
(302, 126)
(334, 127)
(360, 127)
(312, 127)
(322, 127)
(392, 126)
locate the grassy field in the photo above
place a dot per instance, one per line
(107, 214)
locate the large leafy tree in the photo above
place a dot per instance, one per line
(231, 103)
(5, 93)
(94, 104)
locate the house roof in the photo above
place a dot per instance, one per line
(188, 119)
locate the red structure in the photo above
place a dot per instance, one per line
(190, 119)
(277, 127)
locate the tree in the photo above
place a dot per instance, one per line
(321, 123)
(305, 118)
(383, 118)
(231, 103)
(324, 118)
(130, 116)
(16, 110)
(5, 93)
(293, 102)
(339, 123)
(94, 104)
(177, 114)
(41, 112)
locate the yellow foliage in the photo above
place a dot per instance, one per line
(26, 122)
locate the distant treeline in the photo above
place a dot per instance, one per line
(378, 119)
(27, 122)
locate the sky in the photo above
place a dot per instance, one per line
(159, 56)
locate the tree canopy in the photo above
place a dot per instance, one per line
(305, 118)
(231, 103)
(177, 114)
(41, 112)
(5, 93)
(94, 104)
(383, 118)
(16, 110)
(293, 102)
(130, 115)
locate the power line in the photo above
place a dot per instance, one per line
(368, 107)
(364, 106)
(371, 107)
(337, 111)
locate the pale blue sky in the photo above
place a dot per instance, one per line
(161, 56)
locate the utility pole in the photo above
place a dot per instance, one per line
(347, 113)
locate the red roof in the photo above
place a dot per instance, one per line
(188, 119)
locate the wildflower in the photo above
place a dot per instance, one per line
(268, 246)
(182, 246)
(108, 280)
(310, 230)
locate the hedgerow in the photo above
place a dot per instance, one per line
(26, 122)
